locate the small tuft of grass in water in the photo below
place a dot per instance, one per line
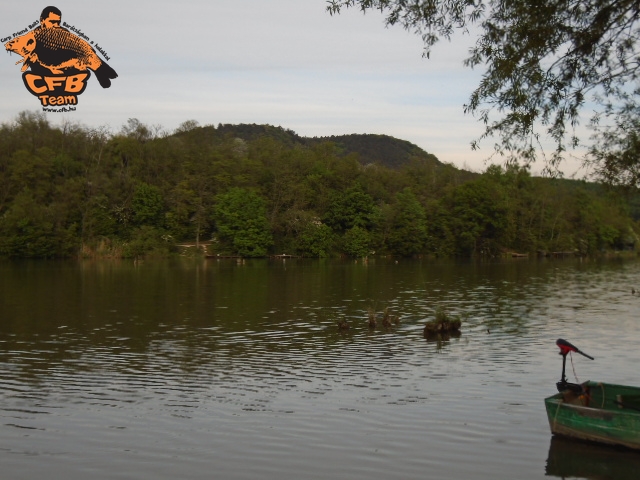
(444, 322)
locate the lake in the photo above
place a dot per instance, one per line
(205, 368)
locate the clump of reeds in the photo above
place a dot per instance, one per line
(389, 319)
(373, 321)
(444, 323)
(343, 324)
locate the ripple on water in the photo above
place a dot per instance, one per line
(202, 389)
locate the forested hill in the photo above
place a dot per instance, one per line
(382, 150)
(255, 190)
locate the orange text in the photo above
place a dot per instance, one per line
(38, 84)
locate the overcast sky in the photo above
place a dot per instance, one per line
(280, 62)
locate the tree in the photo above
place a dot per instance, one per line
(242, 223)
(545, 63)
(408, 230)
(357, 242)
(615, 155)
(350, 208)
(479, 217)
(315, 240)
(31, 230)
(148, 206)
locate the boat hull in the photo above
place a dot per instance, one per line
(606, 413)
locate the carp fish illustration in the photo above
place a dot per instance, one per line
(59, 50)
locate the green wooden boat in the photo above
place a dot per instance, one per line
(594, 411)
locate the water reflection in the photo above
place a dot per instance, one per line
(180, 368)
(441, 340)
(575, 459)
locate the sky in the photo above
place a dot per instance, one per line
(285, 63)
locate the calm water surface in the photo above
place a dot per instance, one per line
(214, 369)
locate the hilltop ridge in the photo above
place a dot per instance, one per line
(378, 149)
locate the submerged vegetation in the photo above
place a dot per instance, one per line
(253, 191)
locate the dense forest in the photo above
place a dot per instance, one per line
(255, 190)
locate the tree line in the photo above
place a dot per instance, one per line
(69, 191)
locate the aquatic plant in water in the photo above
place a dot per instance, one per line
(444, 323)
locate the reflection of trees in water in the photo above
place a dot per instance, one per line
(195, 314)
